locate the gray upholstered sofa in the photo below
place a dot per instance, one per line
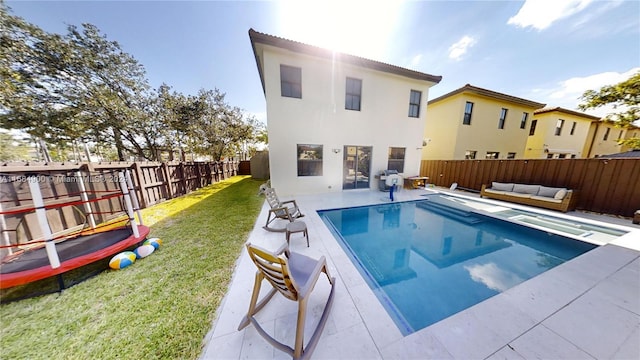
(553, 198)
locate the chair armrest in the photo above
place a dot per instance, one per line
(289, 202)
(285, 209)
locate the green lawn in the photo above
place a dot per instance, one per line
(160, 307)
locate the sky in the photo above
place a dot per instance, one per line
(549, 51)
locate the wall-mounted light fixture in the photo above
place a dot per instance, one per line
(335, 151)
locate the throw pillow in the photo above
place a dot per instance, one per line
(560, 194)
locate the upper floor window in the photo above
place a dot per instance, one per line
(291, 81)
(396, 159)
(511, 155)
(470, 154)
(573, 128)
(606, 134)
(532, 130)
(468, 109)
(354, 93)
(620, 135)
(559, 126)
(414, 103)
(523, 121)
(503, 118)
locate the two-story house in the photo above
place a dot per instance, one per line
(335, 120)
(604, 138)
(558, 133)
(476, 123)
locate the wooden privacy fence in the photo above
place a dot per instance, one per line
(78, 194)
(610, 186)
(153, 181)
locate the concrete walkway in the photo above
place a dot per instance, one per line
(586, 308)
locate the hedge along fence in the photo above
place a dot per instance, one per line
(610, 186)
(153, 181)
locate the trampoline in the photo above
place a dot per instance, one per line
(46, 255)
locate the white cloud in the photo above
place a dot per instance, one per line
(541, 14)
(567, 93)
(457, 50)
(493, 277)
(415, 61)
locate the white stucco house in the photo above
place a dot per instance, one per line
(335, 120)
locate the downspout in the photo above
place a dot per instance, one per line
(593, 139)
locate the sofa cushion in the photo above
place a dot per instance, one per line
(492, 191)
(545, 198)
(520, 195)
(526, 189)
(548, 191)
(501, 186)
(560, 194)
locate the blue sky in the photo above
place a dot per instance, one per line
(544, 50)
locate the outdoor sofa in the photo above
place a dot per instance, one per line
(560, 199)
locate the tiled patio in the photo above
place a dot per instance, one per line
(586, 308)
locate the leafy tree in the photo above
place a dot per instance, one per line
(218, 129)
(13, 149)
(624, 96)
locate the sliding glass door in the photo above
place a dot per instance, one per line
(357, 167)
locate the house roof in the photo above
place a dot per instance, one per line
(295, 46)
(488, 93)
(626, 154)
(567, 111)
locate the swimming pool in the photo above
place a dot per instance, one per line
(426, 261)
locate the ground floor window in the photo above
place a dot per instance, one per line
(492, 155)
(511, 155)
(470, 154)
(396, 159)
(309, 160)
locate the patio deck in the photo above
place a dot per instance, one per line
(586, 308)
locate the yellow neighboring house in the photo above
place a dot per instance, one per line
(476, 123)
(558, 133)
(604, 137)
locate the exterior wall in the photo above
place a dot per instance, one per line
(441, 128)
(544, 143)
(320, 118)
(450, 139)
(600, 146)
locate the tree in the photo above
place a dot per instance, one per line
(218, 128)
(13, 149)
(624, 96)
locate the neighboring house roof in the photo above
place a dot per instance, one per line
(295, 46)
(567, 111)
(489, 93)
(626, 154)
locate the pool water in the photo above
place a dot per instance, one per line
(426, 262)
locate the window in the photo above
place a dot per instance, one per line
(562, 156)
(549, 156)
(396, 159)
(503, 117)
(354, 93)
(606, 134)
(573, 128)
(532, 130)
(291, 81)
(309, 160)
(523, 121)
(470, 154)
(414, 103)
(559, 126)
(620, 135)
(573, 156)
(492, 155)
(511, 155)
(468, 109)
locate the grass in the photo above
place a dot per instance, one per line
(162, 306)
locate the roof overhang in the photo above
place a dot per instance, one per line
(301, 48)
(468, 88)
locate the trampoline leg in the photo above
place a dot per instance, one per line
(60, 283)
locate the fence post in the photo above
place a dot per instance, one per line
(139, 179)
(166, 179)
